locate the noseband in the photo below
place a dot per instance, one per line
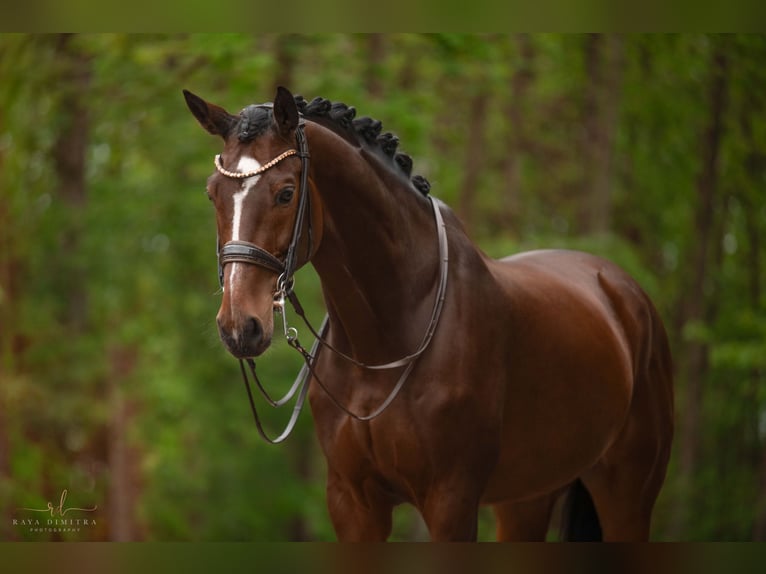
(246, 252)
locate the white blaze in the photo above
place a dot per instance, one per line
(245, 164)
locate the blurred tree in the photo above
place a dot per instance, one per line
(516, 107)
(601, 106)
(375, 48)
(698, 307)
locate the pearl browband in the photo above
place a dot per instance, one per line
(260, 170)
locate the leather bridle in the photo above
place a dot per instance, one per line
(246, 252)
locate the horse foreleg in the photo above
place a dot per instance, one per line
(451, 514)
(359, 512)
(525, 520)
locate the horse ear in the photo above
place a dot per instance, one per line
(213, 118)
(285, 112)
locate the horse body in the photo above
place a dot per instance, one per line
(546, 368)
(561, 368)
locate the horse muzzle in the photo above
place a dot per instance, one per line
(244, 337)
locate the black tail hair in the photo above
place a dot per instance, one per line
(579, 519)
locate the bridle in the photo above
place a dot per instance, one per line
(246, 252)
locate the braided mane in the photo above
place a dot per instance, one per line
(341, 119)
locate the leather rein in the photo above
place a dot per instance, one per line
(246, 252)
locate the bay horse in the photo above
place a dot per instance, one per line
(444, 379)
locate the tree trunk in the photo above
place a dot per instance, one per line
(73, 78)
(755, 169)
(124, 461)
(6, 345)
(756, 374)
(604, 64)
(695, 307)
(474, 156)
(69, 159)
(407, 79)
(376, 55)
(515, 108)
(285, 57)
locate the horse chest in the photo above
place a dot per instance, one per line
(393, 441)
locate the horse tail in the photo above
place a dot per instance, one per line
(579, 519)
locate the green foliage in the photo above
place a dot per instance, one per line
(143, 262)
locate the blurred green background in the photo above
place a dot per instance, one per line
(646, 149)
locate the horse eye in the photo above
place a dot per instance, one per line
(285, 196)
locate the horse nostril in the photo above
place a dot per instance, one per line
(252, 331)
(244, 341)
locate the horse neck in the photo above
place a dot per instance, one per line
(377, 260)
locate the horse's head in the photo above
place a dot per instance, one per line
(260, 194)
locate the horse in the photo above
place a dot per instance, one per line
(444, 379)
